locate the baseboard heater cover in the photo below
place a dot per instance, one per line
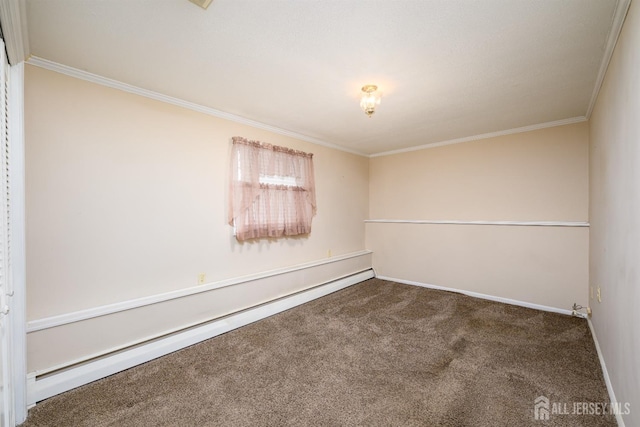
(40, 388)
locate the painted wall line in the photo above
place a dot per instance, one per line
(77, 316)
(458, 222)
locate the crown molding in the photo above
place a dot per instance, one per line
(485, 136)
(115, 84)
(620, 12)
(622, 7)
(14, 28)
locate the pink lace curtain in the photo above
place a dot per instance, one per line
(272, 190)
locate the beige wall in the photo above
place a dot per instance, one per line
(615, 216)
(540, 175)
(126, 198)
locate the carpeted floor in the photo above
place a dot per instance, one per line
(375, 354)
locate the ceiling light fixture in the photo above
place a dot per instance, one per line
(370, 99)
(202, 3)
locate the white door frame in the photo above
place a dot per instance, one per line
(18, 255)
(14, 28)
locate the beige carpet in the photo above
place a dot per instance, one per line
(375, 354)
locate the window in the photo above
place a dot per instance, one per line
(272, 190)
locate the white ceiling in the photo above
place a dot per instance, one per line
(449, 69)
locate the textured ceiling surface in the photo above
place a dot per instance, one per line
(448, 69)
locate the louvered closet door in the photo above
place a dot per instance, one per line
(6, 391)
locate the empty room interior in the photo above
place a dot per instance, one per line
(320, 213)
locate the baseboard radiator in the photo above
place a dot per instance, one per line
(46, 383)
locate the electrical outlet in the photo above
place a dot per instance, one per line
(599, 294)
(329, 253)
(591, 292)
(201, 278)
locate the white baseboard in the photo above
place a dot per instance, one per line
(40, 388)
(483, 296)
(605, 374)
